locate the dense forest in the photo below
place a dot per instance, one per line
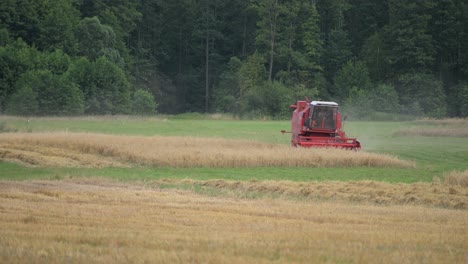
(245, 57)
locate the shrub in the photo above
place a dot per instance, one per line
(15, 59)
(55, 94)
(357, 105)
(269, 99)
(112, 88)
(422, 90)
(463, 99)
(23, 102)
(384, 98)
(228, 91)
(352, 74)
(57, 62)
(143, 103)
(105, 86)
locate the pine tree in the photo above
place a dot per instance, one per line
(408, 37)
(267, 32)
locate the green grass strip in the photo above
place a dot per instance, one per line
(12, 171)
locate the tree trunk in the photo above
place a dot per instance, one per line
(273, 17)
(207, 68)
(244, 36)
(290, 48)
(207, 55)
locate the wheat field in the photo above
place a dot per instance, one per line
(99, 221)
(446, 195)
(463, 122)
(100, 150)
(457, 178)
(449, 127)
(83, 220)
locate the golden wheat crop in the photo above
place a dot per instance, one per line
(444, 122)
(449, 127)
(110, 150)
(430, 194)
(457, 178)
(97, 221)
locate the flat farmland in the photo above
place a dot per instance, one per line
(177, 190)
(103, 221)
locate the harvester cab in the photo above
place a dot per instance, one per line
(319, 124)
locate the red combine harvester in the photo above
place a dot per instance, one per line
(319, 124)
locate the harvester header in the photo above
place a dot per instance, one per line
(319, 124)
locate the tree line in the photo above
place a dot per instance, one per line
(245, 57)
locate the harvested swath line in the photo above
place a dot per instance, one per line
(433, 132)
(428, 194)
(194, 152)
(444, 122)
(54, 157)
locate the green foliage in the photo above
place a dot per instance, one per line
(274, 99)
(94, 38)
(121, 15)
(424, 92)
(407, 35)
(363, 19)
(81, 72)
(251, 74)
(4, 37)
(357, 105)
(112, 88)
(332, 14)
(375, 53)
(288, 38)
(226, 103)
(57, 27)
(384, 98)
(310, 32)
(18, 58)
(337, 53)
(15, 59)
(374, 103)
(463, 99)
(23, 102)
(227, 93)
(446, 29)
(143, 103)
(300, 92)
(55, 94)
(320, 83)
(162, 87)
(21, 18)
(257, 98)
(57, 61)
(268, 12)
(104, 85)
(181, 51)
(353, 74)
